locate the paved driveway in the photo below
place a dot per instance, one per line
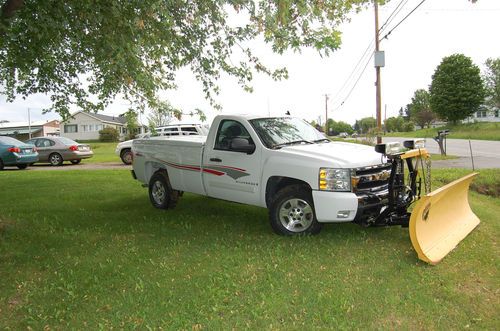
(486, 154)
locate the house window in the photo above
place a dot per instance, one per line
(496, 113)
(70, 128)
(481, 113)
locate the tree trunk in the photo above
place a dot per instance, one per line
(10, 7)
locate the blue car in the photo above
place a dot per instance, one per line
(16, 153)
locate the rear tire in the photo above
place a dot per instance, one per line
(1, 164)
(292, 213)
(161, 194)
(22, 166)
(126, 156)
(55, 159)
(76, 161)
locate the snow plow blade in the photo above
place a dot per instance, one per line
(441, 219)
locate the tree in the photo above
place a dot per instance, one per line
(492, 82)
(161, 116)
(457, 90)
(394, 124)
(365, 124)
(84, 53)
(420, 109)
(335, 127)
(132, 124)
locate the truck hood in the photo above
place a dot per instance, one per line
(337, 154)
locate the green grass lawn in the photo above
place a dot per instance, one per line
(103, 152)
(481, 131)
(86, 250)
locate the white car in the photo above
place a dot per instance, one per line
(123, 149)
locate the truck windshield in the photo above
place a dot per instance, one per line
(282, 131)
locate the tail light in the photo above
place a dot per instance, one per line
(14, 150)
(73, 148)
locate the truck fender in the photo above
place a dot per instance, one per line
(277, 183)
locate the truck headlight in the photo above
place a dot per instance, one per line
(334, 179)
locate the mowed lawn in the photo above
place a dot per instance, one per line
(103, 152)
(480, 131)
(86, 250)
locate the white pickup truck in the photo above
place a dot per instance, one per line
(282, 164)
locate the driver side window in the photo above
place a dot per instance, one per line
(228, 130)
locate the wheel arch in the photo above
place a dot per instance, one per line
(276, 183)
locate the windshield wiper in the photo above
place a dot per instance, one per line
(292, 143)
(326, 140)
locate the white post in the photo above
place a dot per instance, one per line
(29, 124)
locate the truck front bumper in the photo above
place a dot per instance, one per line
(336, 207)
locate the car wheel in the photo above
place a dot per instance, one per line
(1, 164)
(22, 166)
(292, 212)
(160, 192)
(126, 156)
(76, 161)
(55, 159)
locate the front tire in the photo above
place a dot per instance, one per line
(161, 194)
(55, 159)
(292, 212)
(22, 166)
(126, 156)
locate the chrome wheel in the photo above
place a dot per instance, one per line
(296, 215)
(158, 192)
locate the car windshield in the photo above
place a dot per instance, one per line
(67, 141)
(281, 131)
(9, 141)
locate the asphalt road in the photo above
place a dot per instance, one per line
(486, 154)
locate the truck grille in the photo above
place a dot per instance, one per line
(371, 179)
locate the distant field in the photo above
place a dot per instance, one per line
(480, 131)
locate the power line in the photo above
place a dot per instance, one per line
(354, 70)
(391, 17)
(394, 13)
(411, 12)
(355, 83)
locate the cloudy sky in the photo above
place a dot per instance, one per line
(438, 28)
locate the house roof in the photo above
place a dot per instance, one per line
(107, 118)
(103, 118)
(23, 124)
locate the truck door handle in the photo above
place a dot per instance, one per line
(215, 159)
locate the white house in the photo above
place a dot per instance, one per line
(86, 126)
(485, 114)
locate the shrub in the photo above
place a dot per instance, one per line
(408, 127)
(108, 134)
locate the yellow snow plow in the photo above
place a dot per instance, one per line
(439, 219)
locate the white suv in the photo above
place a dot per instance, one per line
(123, 149)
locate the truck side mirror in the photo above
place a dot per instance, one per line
(242, 145)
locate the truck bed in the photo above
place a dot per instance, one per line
(177, 154)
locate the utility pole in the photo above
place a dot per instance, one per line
(326, 114)
(379, 59)
(29, 124)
